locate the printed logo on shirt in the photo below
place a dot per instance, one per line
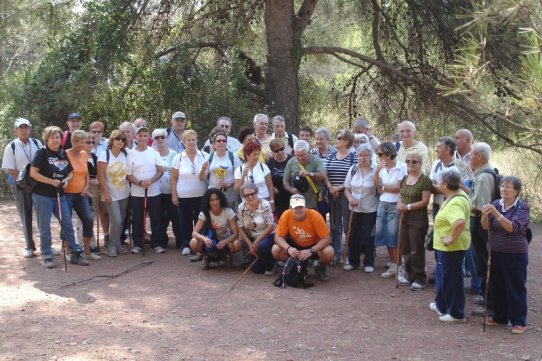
(58, 164)
(301, 234)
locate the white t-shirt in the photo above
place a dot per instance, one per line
(115, 175)
(392, 178)
(363, 189)
(188, 183)
(142, 165)
(221, 168)
(257, 177)
(165, 180)
(23, 154)
(220, 223)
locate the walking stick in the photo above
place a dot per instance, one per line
(243, 274)
(488, 274)
(347, 240)
(144, 221)
(62, 238)
(399, 250)
(97, 215)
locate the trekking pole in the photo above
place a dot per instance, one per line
(399, 250)
(144, 221)
(60, 220)
(488, 274)
(347, 240)
(97, 215)
(243, 274)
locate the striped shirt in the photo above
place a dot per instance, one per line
(337, 169)
(515, 242)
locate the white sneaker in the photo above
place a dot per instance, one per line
(369, 269)
(450, 319)
(186, 251)
(92, 257)
(415, 286)
(389, 264)
(433, 307)
(159, 250)
(136, 250)
(403, 281)
(349, 267)
(392, 271)
(68, 257)
(28, 253)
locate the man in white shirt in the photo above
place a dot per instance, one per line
(362, 126)
(279, 126)
(226, 124)
(261, 123)
(409, 145)
(17, 155)
(463, 139)
(175, 133)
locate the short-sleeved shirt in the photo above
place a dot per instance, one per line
(454, 209)
(222, 168)
(188, 183)
(255, 222)
(256, 176)
(142, 165)
(391, 178)
(483, 187)
(330, 150)
(174, 141)
(305, 233)
(54, 165)
(115, 175)
(338, 168)
(414, 193)
(362, 188)
(418, 148)
(515, 242)
(166, 177)
(436, 178)
(221, 223)
(80, 172)
(18, 156)
(314, 165)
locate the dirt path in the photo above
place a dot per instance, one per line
(173, 310)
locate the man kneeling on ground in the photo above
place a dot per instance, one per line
(303, 234)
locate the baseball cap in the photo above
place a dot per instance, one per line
(297, 200)
(21, 121)
(74, 116)
(178, 115)
(141, 128)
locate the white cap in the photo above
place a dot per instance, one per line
(21, 121)
(297, 200)
(139, 129)
(178, 115)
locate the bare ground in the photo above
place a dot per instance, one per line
(171, 309)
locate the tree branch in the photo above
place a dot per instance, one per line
(375, 31)
(304, 14)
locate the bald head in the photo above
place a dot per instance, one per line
(463, 139)
(407, 130)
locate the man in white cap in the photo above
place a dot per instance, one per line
(174, 139)
(303, 234)
(17, 155)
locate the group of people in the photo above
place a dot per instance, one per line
(269, 196)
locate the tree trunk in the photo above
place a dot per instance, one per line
(283, 59)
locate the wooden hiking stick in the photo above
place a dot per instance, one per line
(96, 201)
(243, 274)
(62, 238)
(399, 250)
(347, 240)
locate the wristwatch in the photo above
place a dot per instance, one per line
(409, 207)
(313, 251)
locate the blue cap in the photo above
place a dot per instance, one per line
(74, 116)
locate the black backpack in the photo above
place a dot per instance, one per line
(24, 181)
(497, 180)
(294, 274)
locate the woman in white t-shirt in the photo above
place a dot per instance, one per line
(112, 168)
(388, 182)
(188, 186)
(256, 173)
(215, 235)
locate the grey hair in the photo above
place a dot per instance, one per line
(124, 124)
(466, 132)
(324, 131)
(159, 131)
(361, 122)
(278, 118)
(450, 143)
(365, 148)
(418, 156)
(78, 135)
(409, 123)
(361, 137)
(223, 118)
(482, 149)
(258, 116)
(248, 185)
(452, 177)
(301, 146)
(514, 181)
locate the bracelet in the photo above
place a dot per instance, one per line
(408, 207)
(287, 249)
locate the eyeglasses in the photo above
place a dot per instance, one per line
(160, 137)
(90, 142)
(96, 131)
(383, 154)
(411, 161)
(253, 194)
(278, 150)
(121, 139)
(220, 140)
(224, 126)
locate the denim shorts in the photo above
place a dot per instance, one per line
(387, 225)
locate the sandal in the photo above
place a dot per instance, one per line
(518, 329)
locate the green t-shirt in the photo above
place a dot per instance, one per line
(314, 165)
(414, 193)
(454, 209)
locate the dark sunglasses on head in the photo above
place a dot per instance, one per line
(278, 150)
(411, 161)
(90, 142)
(160, 137)
(120, 138)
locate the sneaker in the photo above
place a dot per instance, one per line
(518, 329)
(206, 263)
(270, 272)
(122, 250)
(28, 253)
(195, 258)
(186, 251)
(416, 286)
(112, 253)
(369, 269)
(403, 281)
(48, 263)
(159, 250)
(78, 259)
(95, 250)
(389, 264)
(136, 250)
(349, 267)
(392, 271)
(92, 257)
(321, 273)
(450, 319)
(433, 307)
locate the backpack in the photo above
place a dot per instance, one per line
(24, 181)
(211, 156)
(497, 180)
(108, 154)
(294, 274)
(291, 141)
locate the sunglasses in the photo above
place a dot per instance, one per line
(160, 137)
(411, 161)
(121, 139)
(90, 142)
(383, 154)
(220, 141)
(278, 150)
(249, 195)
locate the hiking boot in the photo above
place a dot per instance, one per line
(195, 258)
(392, 271)
(28, 253)
(206, 263)
(48, 263)
(77, 258)
(321, 273)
